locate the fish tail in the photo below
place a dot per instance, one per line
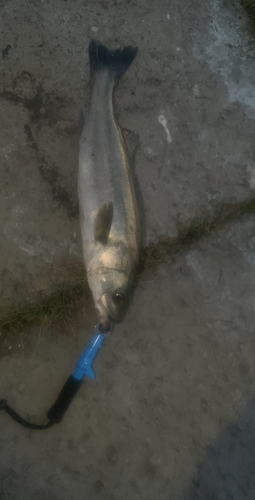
(115, 61)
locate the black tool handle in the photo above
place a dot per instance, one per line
(57, 411)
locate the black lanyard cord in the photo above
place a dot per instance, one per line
(71, 387)
(57, 410)
(20, 420)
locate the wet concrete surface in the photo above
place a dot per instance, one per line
(171, 414)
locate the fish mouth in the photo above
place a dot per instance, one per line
(106, 324)
(105, 320)
(106, 327)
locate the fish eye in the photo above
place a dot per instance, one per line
(118, 298)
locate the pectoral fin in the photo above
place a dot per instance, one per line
(103, 222)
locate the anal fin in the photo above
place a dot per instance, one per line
(131, 140)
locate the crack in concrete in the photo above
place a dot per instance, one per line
(42, 106)
(71, 292)
(58, 191)
(53, 178)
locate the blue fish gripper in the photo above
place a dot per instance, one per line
(71, 387)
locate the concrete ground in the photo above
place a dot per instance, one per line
(172, 412)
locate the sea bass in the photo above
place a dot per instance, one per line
(109, 219)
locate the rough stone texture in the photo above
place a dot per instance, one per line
(171, 414)
(195, 68)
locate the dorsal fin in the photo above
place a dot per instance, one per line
(103, 222)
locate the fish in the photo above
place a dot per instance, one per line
(109, 214)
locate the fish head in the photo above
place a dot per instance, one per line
(111, 294)
(111, 288)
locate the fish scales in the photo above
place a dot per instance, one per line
(110, 225)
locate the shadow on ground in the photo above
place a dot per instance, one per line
(227, 473)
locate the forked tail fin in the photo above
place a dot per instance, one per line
(116, 61)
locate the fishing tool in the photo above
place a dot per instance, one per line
(83, 368)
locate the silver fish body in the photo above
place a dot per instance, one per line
(109, 216)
